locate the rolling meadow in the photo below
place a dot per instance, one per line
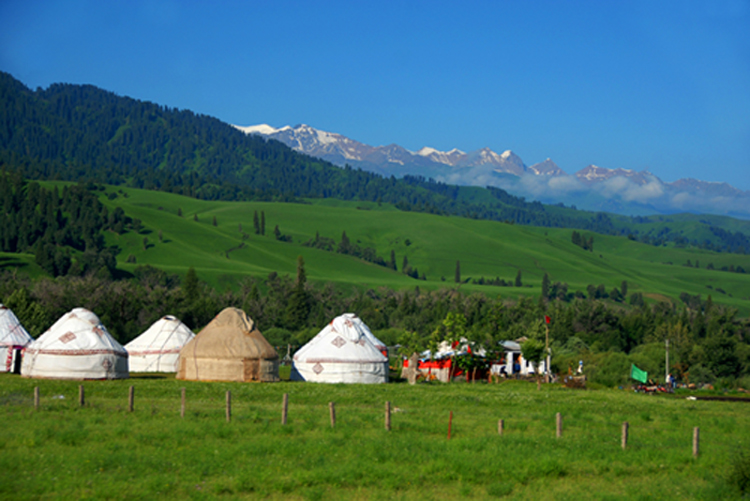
(431, 243)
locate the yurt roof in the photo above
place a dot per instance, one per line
(365, 330)
(344, 340)
(230, 335)
(78, 331)
(12, 332)
(166, 334)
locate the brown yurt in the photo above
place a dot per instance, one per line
(229, 348)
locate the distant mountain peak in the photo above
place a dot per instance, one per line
(547, 168)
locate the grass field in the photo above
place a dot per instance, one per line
(63, 451)
(431, 243)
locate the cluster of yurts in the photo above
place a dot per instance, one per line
(229, 348)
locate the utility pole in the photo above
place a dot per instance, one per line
(666, 369)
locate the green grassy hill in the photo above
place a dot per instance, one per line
(433, 244)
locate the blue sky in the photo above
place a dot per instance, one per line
(659, 85)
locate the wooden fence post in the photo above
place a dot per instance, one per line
(229, 406)
(624, 439)
(284, 408)
(81, 399)
(696, 441)
(131, 398)
(182, 402)
(500, 426)
(388, 416)
(36, 398)
(558, 424)
(332, 410)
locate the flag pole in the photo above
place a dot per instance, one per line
(546, 347)
(666, 368)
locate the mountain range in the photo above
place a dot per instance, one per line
(619, 190)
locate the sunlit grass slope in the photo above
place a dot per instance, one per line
(431, 243)
(102, 451)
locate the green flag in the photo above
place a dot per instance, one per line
(638, 374)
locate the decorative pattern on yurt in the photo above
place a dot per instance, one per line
(229, 348)
(12, 337)
(77, 346)
(342, 353)
(158, 348)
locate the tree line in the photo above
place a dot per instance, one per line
(708, 342)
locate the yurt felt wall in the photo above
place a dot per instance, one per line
(229, 348)
(12, 335)
(341, 353)
(77, 346)
(158, 348)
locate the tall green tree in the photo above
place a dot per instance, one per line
(545, 286)
(298, 308)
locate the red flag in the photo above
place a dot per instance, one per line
(455, 343)
(547, 319)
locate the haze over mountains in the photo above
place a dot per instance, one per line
(618, 190)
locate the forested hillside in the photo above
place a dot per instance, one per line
(82, 133)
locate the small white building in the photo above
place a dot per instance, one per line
(514, 363)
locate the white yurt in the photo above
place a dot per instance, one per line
(341, 353)
(158, 348)
(12, 337)
(77, 346)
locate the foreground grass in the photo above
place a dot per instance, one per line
(103, 451)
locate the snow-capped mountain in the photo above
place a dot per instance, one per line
(390, 159)
(619, 190)
(546, 168)
(594, 174)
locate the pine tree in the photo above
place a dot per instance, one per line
(457, 277)
(256, 223)
(214, 222)
(298, 308)
(262, 222)
(545, 286)
(576, 238)
(624, 288)
(518, 282)
(392, 264)
(190, 287)
(301, 275)
(344, 246)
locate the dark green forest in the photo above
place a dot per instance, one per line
(82, 133)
